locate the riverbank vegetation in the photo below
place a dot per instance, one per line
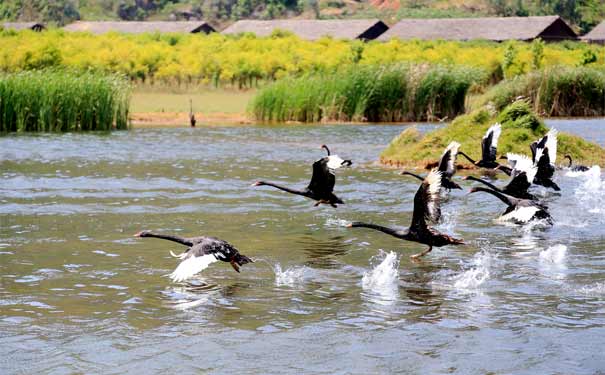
(556, 91)
(520, 127)
(245, 61)
(375, 93)
(57, 100)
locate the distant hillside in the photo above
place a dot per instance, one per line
(582, 14)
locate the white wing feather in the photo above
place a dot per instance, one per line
(335, 161)
(520, 214)
(522, 163)
(434, 181)
(453, 148)
(191, 266)
(497, 129)
(551, 144)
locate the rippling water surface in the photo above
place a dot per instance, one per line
(79, 294)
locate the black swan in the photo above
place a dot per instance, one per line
(202, 251)
(544, 155)
(520, 211)
(522, 174)
(575, 168)
(489, 148)
(447, 167)
(191, 115)
(426, 208)
(322, 182)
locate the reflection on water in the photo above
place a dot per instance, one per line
(79, 294)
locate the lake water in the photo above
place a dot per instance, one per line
(80, 294)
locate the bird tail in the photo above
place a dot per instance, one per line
(242, 259)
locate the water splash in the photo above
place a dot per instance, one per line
(554, 254)
(291, 276)
(449, 221)
(383, 278)
(591, 193)
(477, 274)
(339, 223)
(594, 290)
(595, 169)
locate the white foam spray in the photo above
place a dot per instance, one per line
(554, 254)
(477, 274)
(383, 278)
(291, 276)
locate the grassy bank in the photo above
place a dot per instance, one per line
(520, 127)
(557, 91)
(51, 100)
(205, 99)
(402, 92)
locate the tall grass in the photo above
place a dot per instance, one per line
(560, 91)
(402, 92)
(57, 100)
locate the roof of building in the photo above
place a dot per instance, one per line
(136, 27)
(598, 33)
(488, 28)
(306, 29)
(22, 25)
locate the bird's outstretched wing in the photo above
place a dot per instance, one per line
(489, 143)
(522, 174)
(546, 169)
(542, 142)
(447, 163)
(551, 145)
(426, 201)
(323, 178)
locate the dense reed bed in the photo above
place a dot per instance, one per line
(402, 92)
(244, 60)
(557, 91)
(53, 100)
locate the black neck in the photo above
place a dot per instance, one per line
(483, 182)
(412, 174)
(570, 161)
(503, 197)
(390, 231)
(287, 189)
(327, 149)
(466, 156)
(169, 237)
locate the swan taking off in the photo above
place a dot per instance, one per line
(321, 186)
(202, 252)
(426, 209)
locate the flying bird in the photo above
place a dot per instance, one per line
(522, 174)
(426, 209)
(202, 252)
(519, 211)
(321, 187)
(489, 148)
(447, 167)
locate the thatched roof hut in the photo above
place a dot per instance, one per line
(312, 29)
(35, 26)
(596, 35)
(134, 27)
(548, 28)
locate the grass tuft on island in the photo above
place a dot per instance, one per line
(520, 127)
(555, 91)
(62, 100)
(376, 93)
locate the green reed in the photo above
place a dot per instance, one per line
(560, 91)
(58, 100)
(402, 92)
